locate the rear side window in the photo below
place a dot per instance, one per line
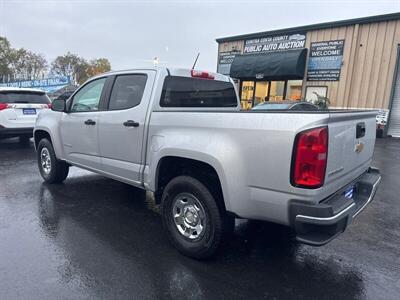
(194, 92)
(23, 97)
(127, 91)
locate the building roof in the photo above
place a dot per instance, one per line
(364, 20)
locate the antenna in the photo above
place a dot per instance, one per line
(195, 61)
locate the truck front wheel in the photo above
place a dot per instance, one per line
(191, 217)
(51, 169)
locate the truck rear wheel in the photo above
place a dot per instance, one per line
(51, 169)
(191, 217)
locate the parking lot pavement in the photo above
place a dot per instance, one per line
(93, 237)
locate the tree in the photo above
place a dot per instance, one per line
(19, 63)
(98, 66)
(37, 64)
(25, 64)
(5, 49)
(70, 64)
(78, 67)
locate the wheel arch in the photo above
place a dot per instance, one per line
(39, 135)
(171, 166)
(43, 132)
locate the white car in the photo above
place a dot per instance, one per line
(19, 108)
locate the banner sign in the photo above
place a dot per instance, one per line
(47, 84)
(225, 60)
(275, 43)
(325, 61)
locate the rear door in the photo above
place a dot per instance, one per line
(122, 125)
(79, 127)
(22, 107)
(351, 144)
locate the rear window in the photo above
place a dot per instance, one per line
(194, 92)
(23, 97)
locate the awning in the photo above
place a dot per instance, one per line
(288, 64)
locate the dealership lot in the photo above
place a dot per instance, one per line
(93, 237)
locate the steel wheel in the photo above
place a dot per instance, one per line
(45, 160)
(189, 216)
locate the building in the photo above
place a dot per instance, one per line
(354, 63)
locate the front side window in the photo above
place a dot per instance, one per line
(194, 92)
(88, 98)
(127, 91)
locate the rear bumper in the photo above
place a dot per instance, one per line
(10, 132)
(318, 224)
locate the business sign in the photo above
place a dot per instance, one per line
(47, 84)
(275, 43)
(225, 60)
(325, 60)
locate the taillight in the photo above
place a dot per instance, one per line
(202, 74)
(310, 156)
(4, 106)
(49, 105)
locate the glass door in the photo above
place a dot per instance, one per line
(261, 93)
(276, 91)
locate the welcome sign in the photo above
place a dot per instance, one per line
(325, 60)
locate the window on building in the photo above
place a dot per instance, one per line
(246, 97)
(276, 91)
(293, 89)
(261, 93)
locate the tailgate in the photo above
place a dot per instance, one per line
(351, 145)
(22, 114)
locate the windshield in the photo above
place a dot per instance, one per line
(272, 106)
(23, 97)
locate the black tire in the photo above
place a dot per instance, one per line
(206, 244)
(24, 140)
(58, 171)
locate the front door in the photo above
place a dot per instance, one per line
(122, 125)
(79, 127)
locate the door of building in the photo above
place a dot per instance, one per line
(394, 120)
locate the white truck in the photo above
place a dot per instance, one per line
(180, 133)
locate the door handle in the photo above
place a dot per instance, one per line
(360, 130)
(131, 123)
(90, 122)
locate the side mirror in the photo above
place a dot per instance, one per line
(59, 105)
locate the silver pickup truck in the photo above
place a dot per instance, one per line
(180, 134)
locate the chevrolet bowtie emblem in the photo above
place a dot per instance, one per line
(359, 147)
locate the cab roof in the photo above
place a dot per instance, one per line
(174, 71)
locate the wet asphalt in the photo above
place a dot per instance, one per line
(93, 237)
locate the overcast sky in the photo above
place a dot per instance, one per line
(130, 33)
